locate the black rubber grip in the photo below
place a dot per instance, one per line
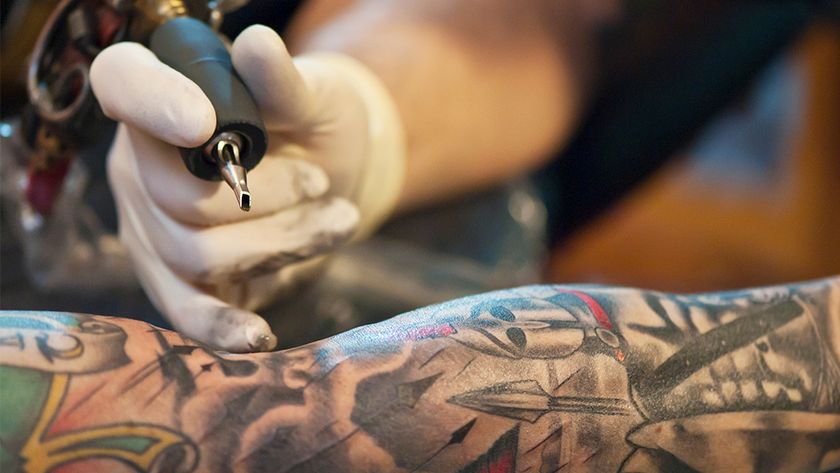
(190, 47)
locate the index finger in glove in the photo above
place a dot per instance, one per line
(201, 316)
(134, 87)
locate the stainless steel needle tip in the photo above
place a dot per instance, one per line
(240, 187)
(227, 158)
(244, 198)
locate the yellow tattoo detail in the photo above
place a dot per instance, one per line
(41, 455)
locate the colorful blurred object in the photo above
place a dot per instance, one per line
(753, 201)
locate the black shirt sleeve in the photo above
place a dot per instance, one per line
(275, 14)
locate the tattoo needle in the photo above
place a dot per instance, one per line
(226, 156)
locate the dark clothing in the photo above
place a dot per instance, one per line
(275, 14)
(667, 70)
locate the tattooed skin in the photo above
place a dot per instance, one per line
(537, 379)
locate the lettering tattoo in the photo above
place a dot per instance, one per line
(537, 379)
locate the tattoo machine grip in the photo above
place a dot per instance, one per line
(190, 47)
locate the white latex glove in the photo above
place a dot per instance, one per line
(205, 263)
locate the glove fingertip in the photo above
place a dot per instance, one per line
(260, 338)
(258, 40)
(262, 60)
(195, 124)
(313, 180)
(338, 219)
(256, 35)
(106, 74)
(223, 326)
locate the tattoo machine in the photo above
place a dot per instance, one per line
(183, 34)
(192, 48)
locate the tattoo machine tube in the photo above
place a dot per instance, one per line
(192, 48)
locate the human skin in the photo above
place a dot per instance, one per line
(486, 89)
(534, 379)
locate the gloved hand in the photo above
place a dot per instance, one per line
(334, 167)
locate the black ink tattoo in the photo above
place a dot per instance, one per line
(539, 379)
(526, 400)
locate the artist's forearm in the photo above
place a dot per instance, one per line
(486, 89)
(540, 378)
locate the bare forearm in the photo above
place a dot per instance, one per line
(486, 89)
(540, 378)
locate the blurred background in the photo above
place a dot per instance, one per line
(709, 159)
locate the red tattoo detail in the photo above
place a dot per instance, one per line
(619, 355)
(596, 309)
(434, 331)
(503, 464)
(501, 458)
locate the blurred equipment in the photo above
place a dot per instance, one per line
(68, 248)
(66, 116)
(44, 177)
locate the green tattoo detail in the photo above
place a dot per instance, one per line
(59, 346)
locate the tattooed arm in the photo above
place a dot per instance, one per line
(536, 379)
